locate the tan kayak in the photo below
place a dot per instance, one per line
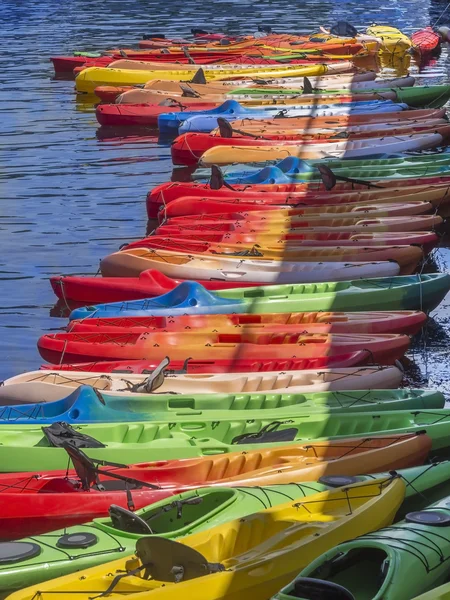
(152, 97)
(130, 263)
(47, 386)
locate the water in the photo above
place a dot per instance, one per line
(67, 198)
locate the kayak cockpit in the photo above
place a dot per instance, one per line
(176, 515)
(187, 512)
(360, 571)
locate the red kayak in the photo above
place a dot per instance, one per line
(188, 148)
(109, 93)
(402, 321)
(142, 115)
(59, 348)
(95, 290)
(426, 41)
(235, 365)
(162, 194)
(34, 504)
(308, 237)
(436, 196)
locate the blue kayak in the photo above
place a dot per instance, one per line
(206, 120)
(410, 292)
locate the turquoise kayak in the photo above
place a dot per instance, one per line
(89, 405)
(422, 292)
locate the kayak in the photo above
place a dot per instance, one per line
(131, 262)
(55, 493)
(112, 289)
(58, 348)
(251, 221)
(426, 42)
(394, 42)
(308, 379)
(307, 237)
(206, 120)
(186, 513)
(285, 535)
(182, 252)
(414, 292)
(147, 114)
(188, 148)
(41, 386)
(409, 556)
(289, 193)
(224, 155)
(149, 105)
(440, 593)
(88, 405)
(335, 84)
(109, 94)
(314, 322)
(92, 290)
(272, 271)
(141, 107)
(90, 78)
(26, 447)
(435, 174)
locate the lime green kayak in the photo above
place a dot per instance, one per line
(27, 447)
(393, 563)
(185, 514)
(433, 96)
(407, 292)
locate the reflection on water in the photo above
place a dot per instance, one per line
(70, 194)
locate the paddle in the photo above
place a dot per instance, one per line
(188, 56)
(123, 54)
(329, 179)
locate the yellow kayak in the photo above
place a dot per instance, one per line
(93, 77)
(393, 41)
(251, 558)
(440, 593)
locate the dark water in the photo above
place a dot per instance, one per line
(67, 198)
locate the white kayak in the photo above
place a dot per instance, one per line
(129, 263)
(225, 155)
(47, 386)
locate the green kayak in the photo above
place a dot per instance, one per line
(27, 447)
(184, 514)
(89, 405)
(413, 292)
(433, 96)
(394, 563)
